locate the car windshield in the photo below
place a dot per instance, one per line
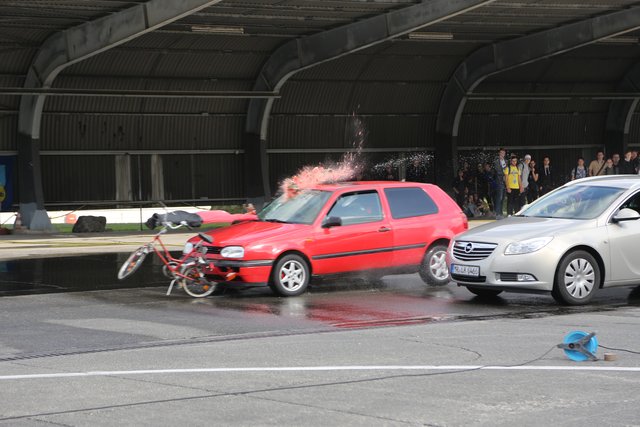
(574, 202)
(301, 209)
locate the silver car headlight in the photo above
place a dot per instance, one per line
(527, 246)
(188, 247)
(232, 252)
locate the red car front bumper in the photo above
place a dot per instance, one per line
(254, 272)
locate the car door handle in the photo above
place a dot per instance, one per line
(384, 229)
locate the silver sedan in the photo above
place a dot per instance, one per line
(571, 242)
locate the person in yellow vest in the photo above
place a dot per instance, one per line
(513, 183)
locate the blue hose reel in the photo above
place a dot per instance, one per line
(580, 346)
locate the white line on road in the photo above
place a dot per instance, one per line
(323, 368)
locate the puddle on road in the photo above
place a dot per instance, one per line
(73, 274)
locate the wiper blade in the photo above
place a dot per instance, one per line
(276, 220)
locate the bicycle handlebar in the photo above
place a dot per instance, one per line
(170, 225)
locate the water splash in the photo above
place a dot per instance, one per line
(349, 167)
(397, 167)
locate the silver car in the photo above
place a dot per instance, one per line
(571, 242)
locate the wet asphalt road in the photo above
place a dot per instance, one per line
(78, 347)
(355, 303)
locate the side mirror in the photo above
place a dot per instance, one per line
(626, 214)
(332, 221)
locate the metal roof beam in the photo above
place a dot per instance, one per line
(305, 52)
(120, 93)
(553, 96)
(621, 111)
(65, 48)
(498, 57)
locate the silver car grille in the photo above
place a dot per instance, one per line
(472, 251)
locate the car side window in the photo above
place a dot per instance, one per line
(357, 208)
(407, 202)
(632, 202)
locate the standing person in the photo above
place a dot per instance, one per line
(635, 162)
(468, 176)
(608, 167)
(626, 166)
(579, 171)
(532, 193)
(415, 171)
(389, 175)
(596, 167)
(492, 183)
(546, 181)
(460, 188)
(513, 184)
(480, 183)
(617, 166)
(524, 176)
(499, 163)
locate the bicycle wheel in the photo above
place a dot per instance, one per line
(132, 263)
(195, 282)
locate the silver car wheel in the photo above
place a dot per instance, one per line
(579, 278)
(438, 265)
(292, 275)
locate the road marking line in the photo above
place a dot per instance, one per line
(324, 368)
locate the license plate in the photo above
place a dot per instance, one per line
(465, 270)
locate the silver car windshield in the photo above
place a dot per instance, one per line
(301, 209)
(574, 202)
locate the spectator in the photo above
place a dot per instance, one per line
(492, 183)
(468, 176)
(389, 175)
(608, 167)
(532, 193)
(513, 184)
(499, 163)
(635, 162)
(596, 167)
(617, 166)
(479, 182)
(415, 171)
(524, 174)
(546, 182)
(482, 204)
(460, 188)
(470, 208)
(626, 165)
(579, 171)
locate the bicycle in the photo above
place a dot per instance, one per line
(189, 271)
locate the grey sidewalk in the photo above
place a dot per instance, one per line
(17, 246)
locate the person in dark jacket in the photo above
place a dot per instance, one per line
(416, 171)
(499, 163)
(460, 188)
(534, 176)
(546, 179)
(616, 165)
(626, 165)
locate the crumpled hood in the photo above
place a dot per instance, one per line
(522, 228)
(246, 233)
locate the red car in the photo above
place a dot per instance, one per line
(368, 228)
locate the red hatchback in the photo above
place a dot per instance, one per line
(368, 228)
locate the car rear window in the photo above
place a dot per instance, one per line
(409, 202)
